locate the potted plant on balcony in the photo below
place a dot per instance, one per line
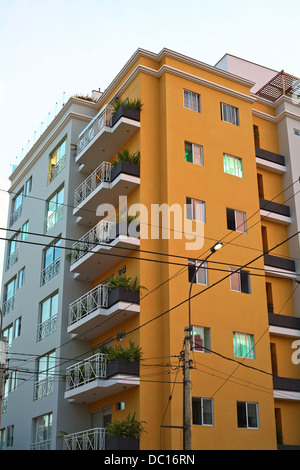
(129, 108)
(126, 162)
(125, 289)
(124, 435)
(122, 360)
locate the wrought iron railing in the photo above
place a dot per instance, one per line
(47, 327)
(41, 445)
(101, 233)
(53, 218)
(100, 175)
(85, 371)
(103, 119)
(92, 439)
(44, 387)
(88, 303)
(12, 259)
(56, 169)
(16, 214)
(8, 305)
(50, 271)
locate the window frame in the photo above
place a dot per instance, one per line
(203, 270)
(233, 111)
(237, 336)
(246, 403)
(205, 338)
(201, 401)
(193, 147)
(236, 272)
(236, 226)
(191, 212)
(238, 172)
(188, 101)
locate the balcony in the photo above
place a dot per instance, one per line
(44, 387)
(8, 305)
(91, 439)
(50, 271)
(90, 380)
(12, 259)
(270, 161)
(105, 135)
(15, 215)
(275, 212)
(107, 182)
(53, 218)
(276, 266)
(100, 310)
(286, 388)
(284, 325)
(102, 247)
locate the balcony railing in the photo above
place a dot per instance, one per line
(86, 371)
(44, 387)
(88, 303)
(41, 445)
(92, 439)
(47, 327)
(12, 259)
(56, 169)
(101, 233)
(103, 119)
(16, 214)
(53, 218)
(50, 271)
(8, 305)
(100, 175)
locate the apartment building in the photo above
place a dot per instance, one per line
(112, 217)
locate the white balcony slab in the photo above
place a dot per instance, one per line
(107, 143)
(101, 388)
(102, 319)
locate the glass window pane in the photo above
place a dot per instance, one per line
(241, 414)
(188, 152)
(207, 411)
(240, 221)
(54, 305)
(196, 410)
(252, 415)
(201, 277)
(45, 313)
(234, 280)
(197, 154)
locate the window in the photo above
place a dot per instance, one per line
(201, 273)
(13, 252)
(193, 153)
(51, 262)
(10, 436)
(247, 415)
(48, 316)
(21, 278)
(9, 296)
(45, 376)
(57, 161)
(8, 334)
(28, 186)
(195, 209)
(17, 205)
(42, 432)
(122, 270)
(202, 409)
(200, 339)
(13, 380)
(120, 405)
(17, 327)
(236, 220)
(243, 345)
(233, 165)
(297, 132)
(240, 281)
(230, 114)
(54, 209)
(191, 101)
(121, 335)
(25, 229)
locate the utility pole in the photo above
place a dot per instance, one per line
(187, 431)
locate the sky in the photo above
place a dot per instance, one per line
(48, 48)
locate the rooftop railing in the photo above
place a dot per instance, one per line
(103, 119)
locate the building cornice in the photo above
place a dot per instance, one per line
(276, 119)
(174, 55)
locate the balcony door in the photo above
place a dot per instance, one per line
(101, 418)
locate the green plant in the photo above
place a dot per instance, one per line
(134, 103)
(126, 282)
(126, 156)
(128, 427)
(131, 353)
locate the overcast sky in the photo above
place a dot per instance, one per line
(48, 48)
